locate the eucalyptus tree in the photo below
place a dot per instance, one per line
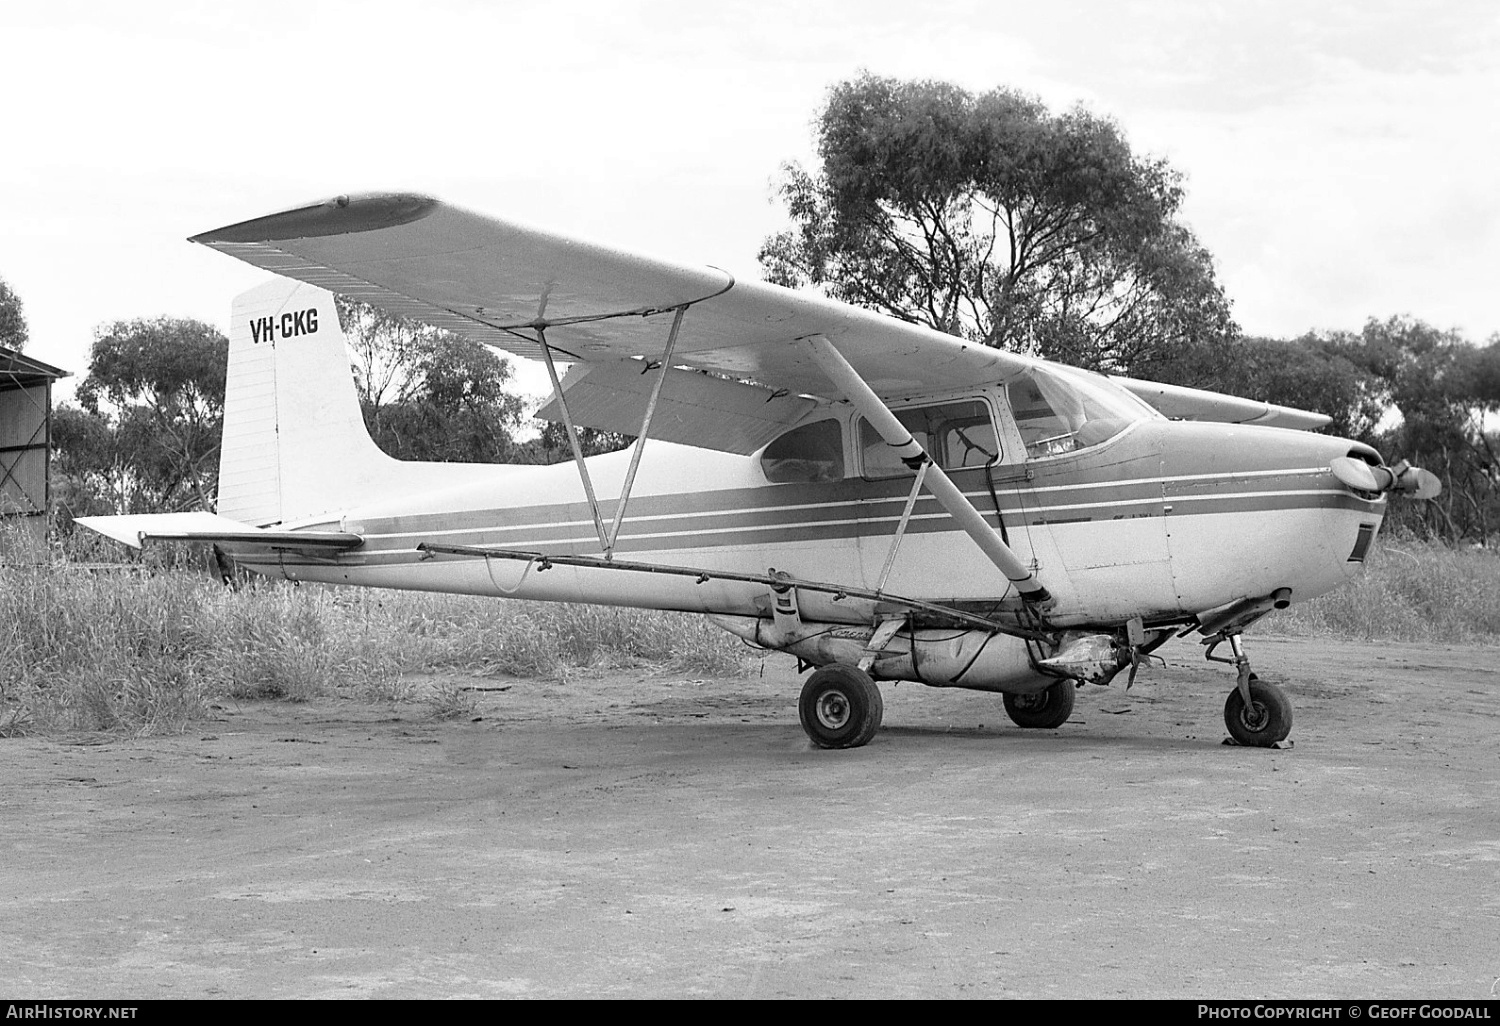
(13, 334)
(991, 218)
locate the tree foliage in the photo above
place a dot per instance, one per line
(144, 436)
(1409, 389)
(1427, 376)
(551, 444)
(1478, 375)
(13, 333)
(1312, 372)
(991, 218)
(427, 394)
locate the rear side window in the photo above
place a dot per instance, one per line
(812, 452)
(955, 435)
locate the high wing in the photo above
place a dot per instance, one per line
(498, 281)
(503, 284)
(1182, 403)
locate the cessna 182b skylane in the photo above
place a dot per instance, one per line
(883, 501)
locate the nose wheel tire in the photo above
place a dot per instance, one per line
(840, 707)
(1045, 709)
(1265, 721)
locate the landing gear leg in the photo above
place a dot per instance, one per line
(1242, 666)
(1257, 714)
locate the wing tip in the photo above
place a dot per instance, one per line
(341, 215)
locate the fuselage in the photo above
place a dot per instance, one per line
(1162, 521)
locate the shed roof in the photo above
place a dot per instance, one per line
(19, 371)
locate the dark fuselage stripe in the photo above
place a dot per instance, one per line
(849, 499)
(734, 532)
(1068, 502)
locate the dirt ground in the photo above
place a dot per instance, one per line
(634, 834)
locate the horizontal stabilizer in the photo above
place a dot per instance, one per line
(1182, 403)
(136, 529)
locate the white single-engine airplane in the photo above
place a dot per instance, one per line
(881, 500)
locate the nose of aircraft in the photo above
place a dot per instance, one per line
(1365, 478)
(1251, 510)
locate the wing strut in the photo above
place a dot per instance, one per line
(640, 442)
(608, 538)
(848, 381)
(583, 470)
(911, 502)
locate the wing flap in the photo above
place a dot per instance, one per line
(694, 408)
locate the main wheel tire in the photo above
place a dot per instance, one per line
(1046, 709)
(840, 707)
(1267, 720)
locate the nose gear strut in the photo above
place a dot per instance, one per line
(1257, 714)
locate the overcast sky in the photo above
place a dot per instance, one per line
(1342, 158)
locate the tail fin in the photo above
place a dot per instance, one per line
(295, 444)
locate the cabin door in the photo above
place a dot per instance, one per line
(935, 559)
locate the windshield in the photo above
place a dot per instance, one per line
(1058, 411)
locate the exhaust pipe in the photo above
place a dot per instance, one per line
(1236, 616)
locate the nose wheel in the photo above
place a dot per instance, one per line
(1257, 714)
(1262, 720)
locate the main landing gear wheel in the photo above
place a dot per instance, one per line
(1045, 709)
(840, 707)
(1267, 720)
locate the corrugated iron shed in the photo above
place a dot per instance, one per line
(25, 441)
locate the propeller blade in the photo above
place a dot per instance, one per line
(1403, 478)
(1420, 484)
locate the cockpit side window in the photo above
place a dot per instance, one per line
(812, 452)
(1058, 413)
(955, 435)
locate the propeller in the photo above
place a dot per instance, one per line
(1403, 478)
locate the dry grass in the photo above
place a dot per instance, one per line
(140, 650)
(1409, 591)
